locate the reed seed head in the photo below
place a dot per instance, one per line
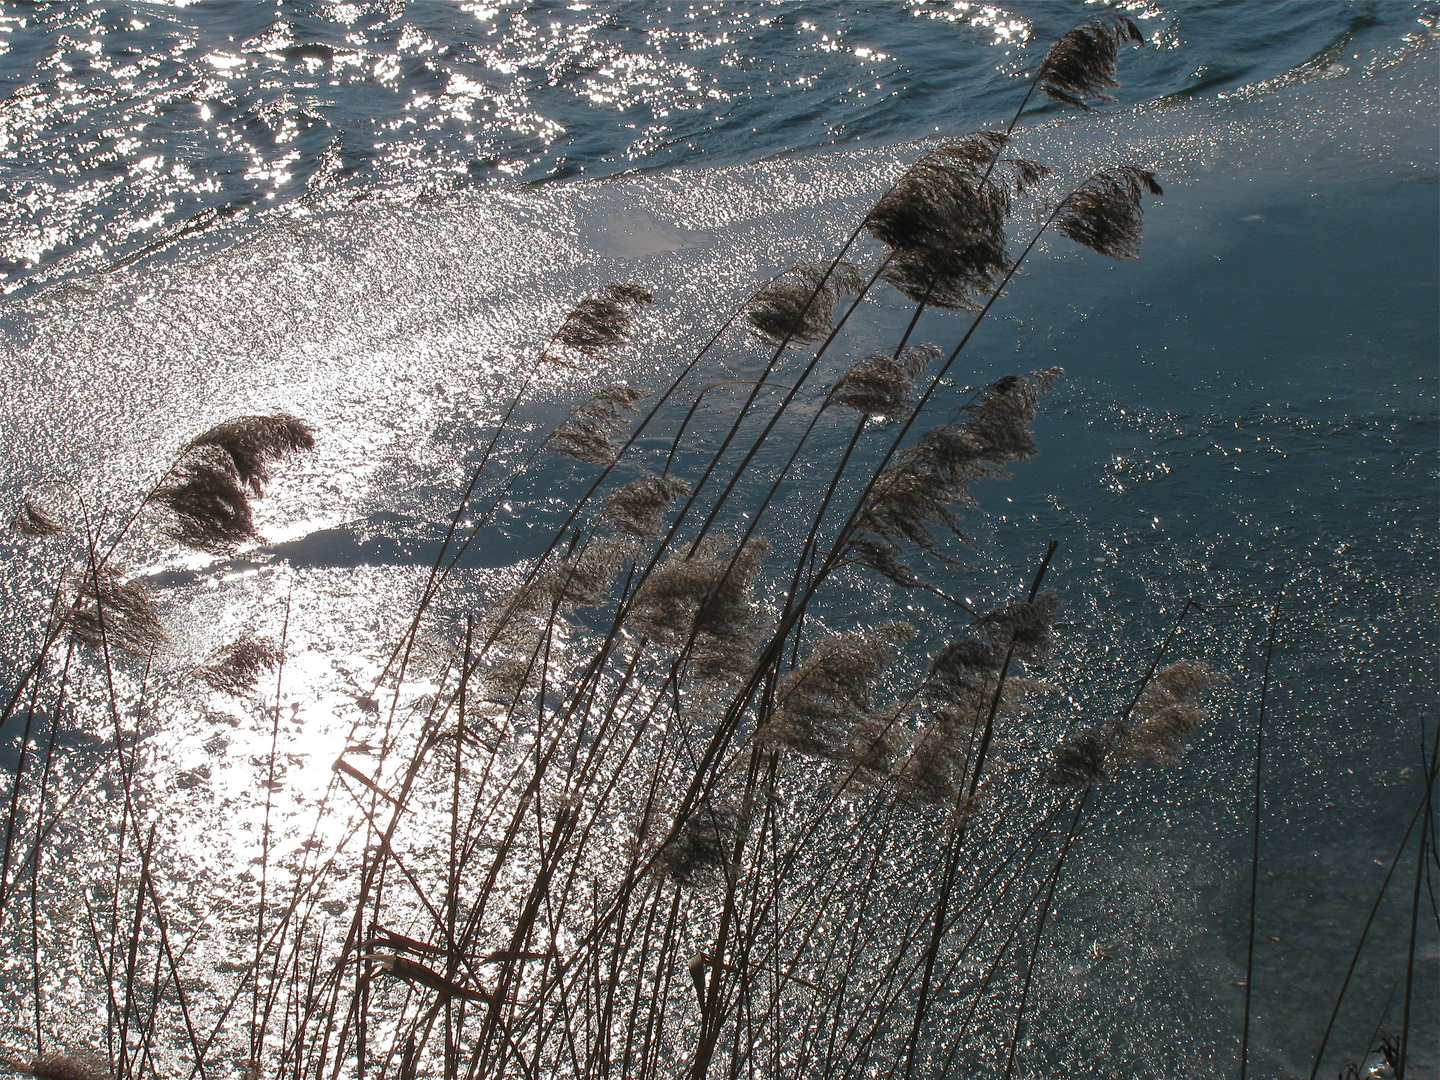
(918, 491)
(907, 502)
(53, 1066)
(708, 594)
(580, 579)
(965, 672)
(882, 384)
(253, 443)
(237, 668)
(702, 846)
(960, 667)
(1185, 680)
(588, 433)
(796, 307)
(1079, 760)
(935, 767)
(602, 321)
(208, 493)
(108, 610)
(884, 557)
(35, 520)
(1024, 627)
(1169, 711)
(1105, 213)
(637, 508)
(831, 692)
(873, 747)
(512, 679)
(209, 507)
(944, 221)
(1082, 64)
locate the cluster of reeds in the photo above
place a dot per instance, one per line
(653, 813)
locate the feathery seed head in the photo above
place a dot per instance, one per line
(907, 501)
(1079, 760)
(35, 520)
(882, 556)
(580, 579)
(588, 432)
(636, 508)
(1185, 680)
(918, 490)
(208, 493)
(1023, 626)
(881, 385)
(1168, 710)
(511, 679)
(797, 305)
(237, 667)
(935, 766)
(872, 748)
(1161, 736)
(944, 222)
(53, 1066)
(958, 667)
(1105, 213)
(964, 673)
(830, 692)
(209, 507)
(1082, 64)
(601, 321)
(702, 846)
(708, 594)
(109, 610)
(253, 443)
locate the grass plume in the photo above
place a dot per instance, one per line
(599, 323)
(33, 519)
(1082, 65)
(237, 667)
(109, 610)
(795, 308)
(588, 433)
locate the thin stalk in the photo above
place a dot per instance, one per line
(1365, 930)
(952, 859)
(1415, 912)
(257, 1027)
(1039, 932)
(1255, 841)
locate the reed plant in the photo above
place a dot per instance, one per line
(650, 810)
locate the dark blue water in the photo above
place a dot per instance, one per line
(125, 128)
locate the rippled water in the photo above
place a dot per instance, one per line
(1249, 412)
(125, 129)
